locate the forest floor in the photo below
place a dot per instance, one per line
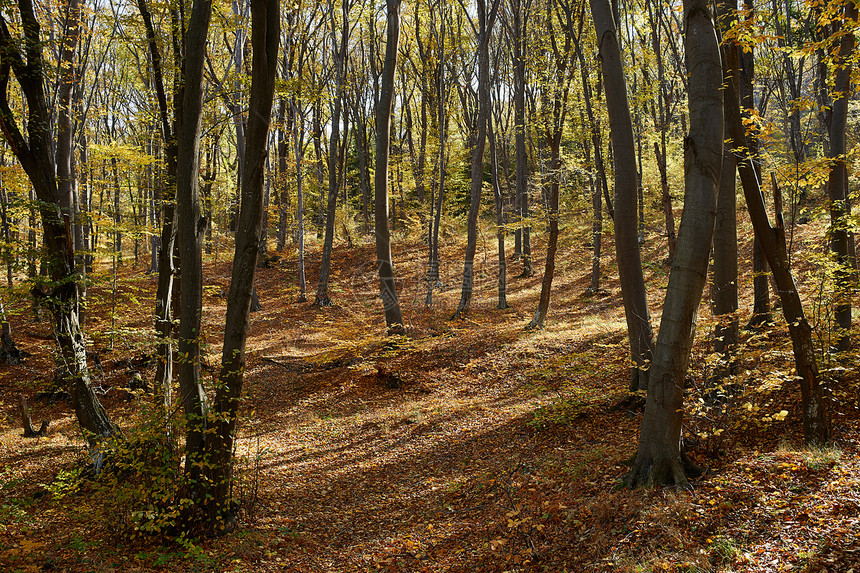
(471, 445)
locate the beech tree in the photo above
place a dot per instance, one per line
(217, 449)
(625, 211)
(387, 286)
(724, 288)
(340, 47)
(486, 19)
(816, 423)
(190, 241)
(837, 182)
(38, 152)
(660, 458)
(554, 95)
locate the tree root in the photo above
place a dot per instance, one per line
(650, 473)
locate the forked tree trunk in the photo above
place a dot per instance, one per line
(387, 286)
(626, 215)
(218, 453)
(660, 458)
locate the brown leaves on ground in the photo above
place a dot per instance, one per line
(468, 446)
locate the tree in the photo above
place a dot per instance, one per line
(660, 458)
(837, 182)
(517, 27)
(625, 214)
(554, 93)
(166, 270)
(340, 46)
(482, 31)
(190, 240)
(724, 290)
(218, 448)
(437, 195)
(37, 155)
(387, 286)
(816, 424)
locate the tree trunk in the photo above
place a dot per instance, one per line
(298, 145)
(485, 25)
(265, 33)
(772, 239)
(387, 286)
(36, 155)
(520, 26)
(761, 295)
(837, 182)
(322, 298)
(283, 188)
(166, 270)
(442, 167)
(500, 217)
(659, 459)
(626, 216)
(190, 242)
(724, 289)
(9, 353)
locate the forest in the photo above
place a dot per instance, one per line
(486, 285)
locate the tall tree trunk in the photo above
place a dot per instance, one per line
(165, 292)
(283, 187)
(485, 26)
(190, 242)
(660, 458)
(626, 216)
(322, 298)
(387, 287)
(265, 33)
(299, 149)
(596, 224)
(663, 118)
(500, 217)
(442, 167)
(837, 182)
(520, 27)
(816, 424)
(724, 289)
(761, 296)
(361, 153)
(36, 156)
